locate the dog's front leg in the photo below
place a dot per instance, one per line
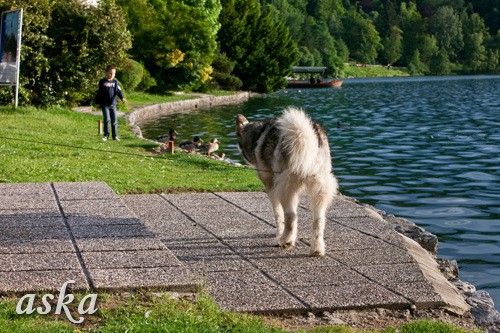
(318, 242)
(280, 221)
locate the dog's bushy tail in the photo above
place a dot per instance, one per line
(304, 144)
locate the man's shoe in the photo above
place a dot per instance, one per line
(116, 138)
(104, 138)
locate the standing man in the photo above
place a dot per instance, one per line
(108, 90)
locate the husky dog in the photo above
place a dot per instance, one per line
(291, 152)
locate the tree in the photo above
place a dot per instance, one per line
(65, 46)
(415, 65)
(447, 28)
(260, 45)
(440, 63)
(474, 53)
(176, 40)
(361, 37)
(393, 45)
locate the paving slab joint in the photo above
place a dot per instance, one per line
(86, 272)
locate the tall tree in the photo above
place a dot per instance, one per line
(393, 45)
(474, 54)
(361, 37)
(176, 39)
(259, 43)
(447, 28)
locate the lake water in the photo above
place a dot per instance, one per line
(427, 149)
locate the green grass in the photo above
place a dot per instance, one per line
(157, 312)
(373, 71)
(60, 145)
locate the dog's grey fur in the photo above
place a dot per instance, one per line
(291, 152)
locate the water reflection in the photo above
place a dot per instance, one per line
(427, 149)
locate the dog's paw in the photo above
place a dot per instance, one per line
(287, 242)
(317, 253)
(318, 250)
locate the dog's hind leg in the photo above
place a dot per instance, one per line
(267, 178)
(288, 191)
(321, 190)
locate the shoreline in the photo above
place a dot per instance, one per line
(141, 114)
(482, 306)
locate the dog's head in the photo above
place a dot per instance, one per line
(244, 141)
(241, 122)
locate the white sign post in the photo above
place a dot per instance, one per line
(10, 49)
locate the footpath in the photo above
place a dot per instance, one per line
(54, 232)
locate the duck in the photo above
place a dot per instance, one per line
(191, 145)
(172, 134)
(210, 147)
(342, 125)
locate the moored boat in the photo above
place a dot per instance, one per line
(292, 83)
(314, 81)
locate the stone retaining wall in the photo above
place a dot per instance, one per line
(140, 115)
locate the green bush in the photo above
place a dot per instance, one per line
(130, 74)
(147, 82)
(222, 77)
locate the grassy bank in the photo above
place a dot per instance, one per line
(59, 145)
(373, 71)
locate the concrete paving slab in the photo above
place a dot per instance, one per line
(109, 208)
(384, 255)
(352, 240)
(27, 233)
(231, 196)
(188, 199)
(210, 212)
(113, 230)
(187, 234)
(209, 257)
(179, 279)
(31, 213)
(23, 282)
(119, 244)
(130, 259)
(82, 221)
(238, 228)
(422, 294)
(38, 262)
(318, 276)
(26, 189)
(343, 207)
(158, 208)
(20, 220)
(365, 224)
(84, 191)
(250, 291)
(11, 204)
(392, 273)
(36, 246)
(349, 296)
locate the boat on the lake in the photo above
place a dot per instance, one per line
(293, 83)
(314, 81)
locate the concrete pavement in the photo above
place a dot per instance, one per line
(54, 232)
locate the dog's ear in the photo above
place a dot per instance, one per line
(241, 121)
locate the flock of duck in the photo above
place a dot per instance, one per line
(191, 146)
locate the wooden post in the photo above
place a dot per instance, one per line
(170, 147)
(99, 127)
